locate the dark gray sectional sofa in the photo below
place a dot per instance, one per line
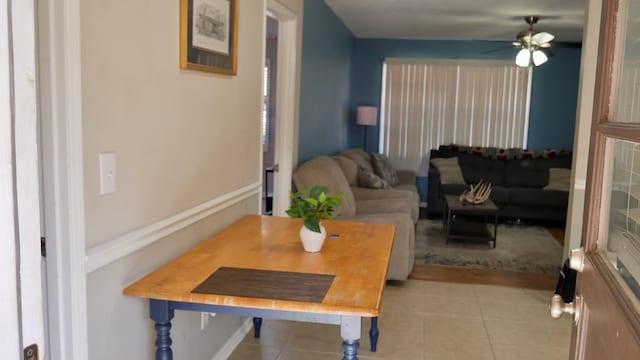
(518, 184)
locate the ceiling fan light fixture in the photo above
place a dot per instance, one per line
(523, 58)
(539, 57)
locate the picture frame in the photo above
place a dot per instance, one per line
(209, 35)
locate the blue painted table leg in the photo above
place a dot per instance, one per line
(162, 314)
(350, 327)
(373, 334)
(257, 324)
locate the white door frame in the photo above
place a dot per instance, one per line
(10, 343)
(62, 166)
(19, 175)
(286, 100)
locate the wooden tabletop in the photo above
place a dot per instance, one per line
(358, 257)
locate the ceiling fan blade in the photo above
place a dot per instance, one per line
(544, 45)
(498, 49)
(566, 45)
(542, 37)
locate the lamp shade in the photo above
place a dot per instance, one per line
(523, 58)
(367, 115)
(539, 57)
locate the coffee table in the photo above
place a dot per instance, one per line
(355, 256)
(470, 222)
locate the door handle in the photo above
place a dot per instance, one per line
(557, 307)
(564, 299)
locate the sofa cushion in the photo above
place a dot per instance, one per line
(370, 180)
(325, 171)
(559, 179)
(383, 168)
(349, 168)
(449, 169)
(530, 173)
(539, 197)
(360, 157)
(562, 160)
(476, 168)
(500, 195)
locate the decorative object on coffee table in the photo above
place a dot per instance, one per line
(313, 204)
(477, 194)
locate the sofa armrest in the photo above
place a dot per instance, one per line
(403, 251)
(362, 193)
(385, 206)
(435, 204)
(412, 198)
(406, 176)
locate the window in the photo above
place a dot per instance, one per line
(426, 103)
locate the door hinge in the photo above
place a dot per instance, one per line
(43, 247)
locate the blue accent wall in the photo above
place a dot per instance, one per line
(327, 46)
(554, 90)
(554, 97)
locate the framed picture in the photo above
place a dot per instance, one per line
(209, 35)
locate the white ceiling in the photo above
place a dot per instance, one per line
(459, 19)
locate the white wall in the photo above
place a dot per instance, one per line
(182, 137)
(184, 140)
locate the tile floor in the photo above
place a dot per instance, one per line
(423, 320)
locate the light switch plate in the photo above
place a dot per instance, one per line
(107, 173)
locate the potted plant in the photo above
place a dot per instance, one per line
(313, 204)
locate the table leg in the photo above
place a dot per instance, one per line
(162, 314)
(350, 327)
(373, 334)
(495, 230)
(257, 324)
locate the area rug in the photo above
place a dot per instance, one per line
(520, 248)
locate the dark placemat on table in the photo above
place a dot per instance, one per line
(266, 284)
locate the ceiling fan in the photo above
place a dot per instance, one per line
(532, 43)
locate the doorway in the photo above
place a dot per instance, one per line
(280, 104)
(269, 111)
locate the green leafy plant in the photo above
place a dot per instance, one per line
(313, 204)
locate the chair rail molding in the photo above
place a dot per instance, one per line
(112, 250)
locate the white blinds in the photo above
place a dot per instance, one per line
(467, 102)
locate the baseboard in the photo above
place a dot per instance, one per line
(235, 340)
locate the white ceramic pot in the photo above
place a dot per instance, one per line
(311, 240)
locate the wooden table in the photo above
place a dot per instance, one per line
(474, 227)
(356, 253)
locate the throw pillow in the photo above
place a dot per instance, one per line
(449, 169)
(383, 168)
(502, 154)
(559, 179)
(368, 179)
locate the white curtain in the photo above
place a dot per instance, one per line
(426, 103)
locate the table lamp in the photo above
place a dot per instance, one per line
(367, 116)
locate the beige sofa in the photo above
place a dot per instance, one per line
(405, 188)
(389, 206)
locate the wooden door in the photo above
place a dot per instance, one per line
(608, 291)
